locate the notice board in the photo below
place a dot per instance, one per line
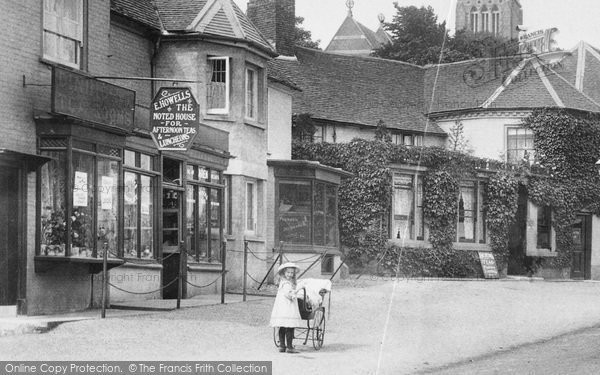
(488, 265)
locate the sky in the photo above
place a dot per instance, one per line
(576, 20)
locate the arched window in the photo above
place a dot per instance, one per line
(474, 20)
(485, 19)
(495, 20)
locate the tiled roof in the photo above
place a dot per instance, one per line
(139, 10)
(222, 18)
(353, 36)
(277, 72)
(358, 90)
(483, 83)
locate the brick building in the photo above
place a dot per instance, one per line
(82, 176)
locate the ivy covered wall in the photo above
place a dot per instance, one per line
(567, 145)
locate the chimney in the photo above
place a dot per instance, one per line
(276, 20)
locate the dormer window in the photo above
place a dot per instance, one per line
(217, 95)
(63, 31)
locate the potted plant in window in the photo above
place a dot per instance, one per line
(54, 234)
(81, 232)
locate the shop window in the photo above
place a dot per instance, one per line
(325, 226)
(519, 145)
(63, 31)
(139, 195)
(85, 224)
(407, 215)
(217, 96)
(204, 228)
(295, 212)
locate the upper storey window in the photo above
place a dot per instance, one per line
(217, 96)
(63, 31)
(474, 20)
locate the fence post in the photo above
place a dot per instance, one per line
(104, 278)
(223, 268)
(245, 270)
(180, 276)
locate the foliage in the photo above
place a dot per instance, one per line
(440, 194)
(302, 37)
(54, 228)
(303, 127)
(432, 262)
(502, 195)
(458, 140)
(382, 133)
(417, 38)
(566, 144)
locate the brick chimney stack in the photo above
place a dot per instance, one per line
(276, 20)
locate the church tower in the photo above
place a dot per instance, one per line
(499, 17)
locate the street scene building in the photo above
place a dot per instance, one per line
(96, 163)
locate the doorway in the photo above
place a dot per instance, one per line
(581, 263)
(171, 235)
(9, 235)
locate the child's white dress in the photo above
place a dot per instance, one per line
(285, 309)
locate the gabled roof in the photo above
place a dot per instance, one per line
(358, 90)
(221, 18)
(505, 83)
(582, 69)
(355, 38)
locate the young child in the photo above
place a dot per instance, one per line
(285, 313)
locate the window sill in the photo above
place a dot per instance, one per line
(218, 117)
(465, 246)
(45, 263)
(547, 253)
(254, 124)
(205, 266)
(142, 263)
(47, 61)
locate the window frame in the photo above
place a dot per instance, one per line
(527, 133)
(251, 103)
(78, 39)
(416, 218)
(254, 207)
(222, 110)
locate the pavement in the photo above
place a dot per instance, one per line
(19, 325)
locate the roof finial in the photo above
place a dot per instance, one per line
(350, 5)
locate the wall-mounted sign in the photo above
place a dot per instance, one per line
(86, 98)
(174, 118)
(539, 41)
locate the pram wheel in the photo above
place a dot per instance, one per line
(318, 328)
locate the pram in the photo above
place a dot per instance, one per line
(315, 320)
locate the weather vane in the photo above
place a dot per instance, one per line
(350, 5)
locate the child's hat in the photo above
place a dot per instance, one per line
(287, 265)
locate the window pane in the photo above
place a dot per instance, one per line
(202, 222)
(146, 162)
(172, 171)
(250, 214)
(215, 224)
(190, 237)
(217, 85)
(319, 214)
(147, 216)
(466, 213)
(250, 93)
(129, 158)
(331, 227)
(108, 206)
(130, 241)
(82, 224)
(544, 219)
(294, 212)
(53, 202)
(403, 206)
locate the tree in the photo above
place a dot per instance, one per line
(417, 38)
(302, 37)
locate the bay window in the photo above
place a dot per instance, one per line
(79, 215)
(251, 94)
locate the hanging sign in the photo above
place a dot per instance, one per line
(174, 118)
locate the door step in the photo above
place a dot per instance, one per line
(8, 311)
